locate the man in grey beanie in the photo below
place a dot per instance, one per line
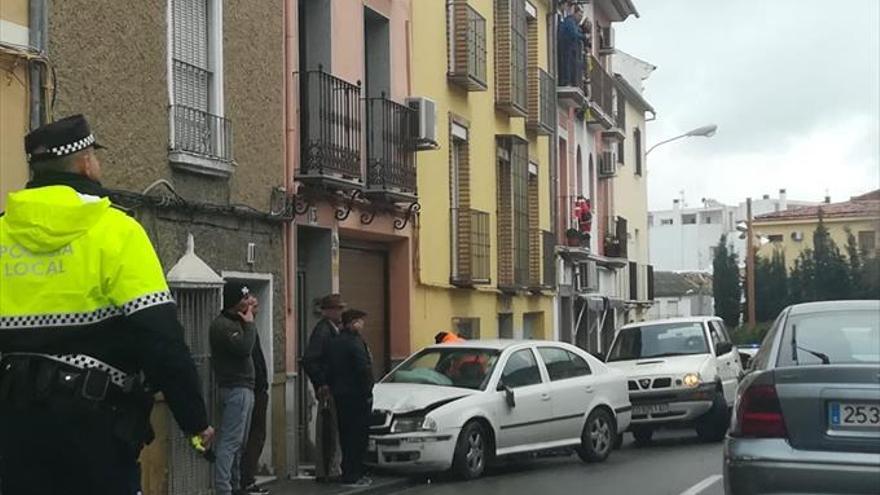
(232, 336)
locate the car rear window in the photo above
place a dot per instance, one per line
(845, 337)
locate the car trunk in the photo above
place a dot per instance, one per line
(815, 398)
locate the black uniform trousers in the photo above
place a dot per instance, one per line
(353, 413)
(58, 447)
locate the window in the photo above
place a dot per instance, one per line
(511, 56)
(650, 220)
(672, 308)
(513, 212)
(637, 143)
(467, 328)
(466, 30)
(707, 220)
(846, 337)
(562, 364)
(775, 238)
(867, 241)
(533, 325)
(521, 370)
(505, 325)
(199, 131)
(690, 219)
(666, 221)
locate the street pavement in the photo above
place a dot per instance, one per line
(676, 464)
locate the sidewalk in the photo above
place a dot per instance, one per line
(382, 485)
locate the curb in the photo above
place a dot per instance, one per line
(382, 488)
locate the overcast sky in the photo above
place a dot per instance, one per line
(794, 86)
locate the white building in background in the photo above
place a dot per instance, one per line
(682, 294)
(684, 238)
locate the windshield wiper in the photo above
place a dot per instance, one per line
(795, 347)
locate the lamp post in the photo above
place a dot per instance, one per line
(704, 131)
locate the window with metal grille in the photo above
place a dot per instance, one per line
(519, 56)
(466, 30)
(196, 308)
(511, 57)
(519, 164)
(197, 80)
(637, 144)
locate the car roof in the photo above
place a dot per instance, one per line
(824, 306)
(689, 319)
(496, 344)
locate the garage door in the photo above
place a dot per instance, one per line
(363, 283)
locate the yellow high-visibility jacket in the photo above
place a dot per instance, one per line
(80, 279)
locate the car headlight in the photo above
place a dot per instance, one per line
(691, 380)
(413, 424)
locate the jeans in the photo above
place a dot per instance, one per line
(237, 405)
(256, 439)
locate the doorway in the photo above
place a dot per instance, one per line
(363, 283)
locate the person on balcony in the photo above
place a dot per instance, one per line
(571, 43)
(583, 213)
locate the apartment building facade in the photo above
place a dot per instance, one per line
(485, 190)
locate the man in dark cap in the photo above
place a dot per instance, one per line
(232, 336)
(86, 317)
(315, 364)
(351, 380)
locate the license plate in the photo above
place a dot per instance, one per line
(371, 444)
(650, 408)
(854, 414)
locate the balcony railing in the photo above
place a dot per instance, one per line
(201, 133)
(549, 268)
(391, 163)
(601, 94)
(633, 281)
(467, 46)
(469, 230)
(616, 238)
(542, 102)
(330, 127)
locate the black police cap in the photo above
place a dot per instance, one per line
(60, 138)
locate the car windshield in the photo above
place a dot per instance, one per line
(449, 367)
(672, 339)
(845, 337)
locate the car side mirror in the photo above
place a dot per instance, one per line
(723, 348)
(509, 396)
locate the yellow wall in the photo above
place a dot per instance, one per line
(436, 301)
(792, 249)
(13, 102)
(630, 190)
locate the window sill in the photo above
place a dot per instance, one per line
(200, 164)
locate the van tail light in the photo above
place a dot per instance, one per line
(759, 414)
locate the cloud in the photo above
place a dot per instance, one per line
(794, 86)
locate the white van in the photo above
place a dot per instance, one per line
(680, 372)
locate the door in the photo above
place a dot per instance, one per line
(305, 424)
(571, 391)
(727, 364)
(527, 422)
(363, 283)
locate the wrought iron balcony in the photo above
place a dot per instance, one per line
(330, 128)
(601, 95)
(201, 133)
(616, 238)
(391, 158)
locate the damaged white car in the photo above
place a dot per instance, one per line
(461, 406)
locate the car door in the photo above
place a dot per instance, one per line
(727, 364)
(526, 422)
(571, 390)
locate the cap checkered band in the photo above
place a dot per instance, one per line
(147, 301)
(83, 362)
(87, 318)
(74, 146)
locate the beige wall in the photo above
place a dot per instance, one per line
(631, 190)
(13, 102)
(837, 227)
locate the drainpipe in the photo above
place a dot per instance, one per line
(39, 35)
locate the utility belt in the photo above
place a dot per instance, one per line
(81, 383)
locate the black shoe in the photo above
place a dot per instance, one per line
(256, 490)
(361, 483)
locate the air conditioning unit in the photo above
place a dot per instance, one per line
(425, 124)
(606, 39)
(797, 236)
(587, 277)
(608, 164)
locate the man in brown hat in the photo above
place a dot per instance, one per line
(315, 362)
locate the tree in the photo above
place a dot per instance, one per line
(726, 286)
(771, 286)
(831, 279)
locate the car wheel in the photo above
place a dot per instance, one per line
(642, 435)
(598, 436)
(471, 452)
(713, 426)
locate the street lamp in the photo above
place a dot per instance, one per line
(704, 131)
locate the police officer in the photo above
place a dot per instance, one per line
(86, 318)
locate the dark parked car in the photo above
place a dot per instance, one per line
(807, 415)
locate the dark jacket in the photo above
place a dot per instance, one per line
(261, 374)
(315, 357)
(351, 366)
(232, 346)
